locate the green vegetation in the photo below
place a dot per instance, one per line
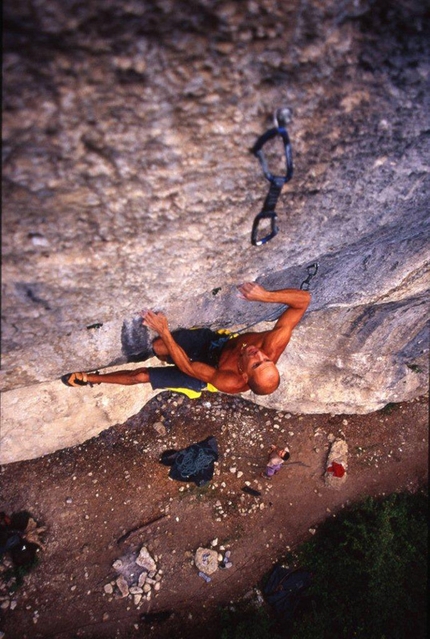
(14, 576)
(415, 368)
(369, 570)
(389, 408)
(245, 621)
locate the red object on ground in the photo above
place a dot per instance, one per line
(337, 469)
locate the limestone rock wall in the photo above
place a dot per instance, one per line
(128, 183)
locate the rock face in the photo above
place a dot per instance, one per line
(128, 183)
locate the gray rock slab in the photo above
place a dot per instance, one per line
(128, 184)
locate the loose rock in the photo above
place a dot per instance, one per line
(145, 560)
(122, 584)
(337, 464)
(206, 560)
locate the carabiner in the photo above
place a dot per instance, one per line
(273, 228)
(257, 150)
(312, 270)
(268, 212)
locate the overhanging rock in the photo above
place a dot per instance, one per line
(362, 344)
(127, 183)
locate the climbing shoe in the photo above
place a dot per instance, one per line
(77, 379)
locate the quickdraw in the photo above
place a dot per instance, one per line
(282, 117)
(312, 271)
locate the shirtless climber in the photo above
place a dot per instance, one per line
(232, 364)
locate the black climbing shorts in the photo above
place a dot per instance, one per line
(201, 345)
(172, 377)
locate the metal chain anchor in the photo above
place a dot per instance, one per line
(282, 117)
(312, 271)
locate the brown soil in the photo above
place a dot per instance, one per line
(91, 495)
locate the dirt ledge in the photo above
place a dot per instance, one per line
(90, 495)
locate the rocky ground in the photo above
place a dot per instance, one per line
(109, 502)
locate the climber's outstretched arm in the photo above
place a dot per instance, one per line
(276, 340)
